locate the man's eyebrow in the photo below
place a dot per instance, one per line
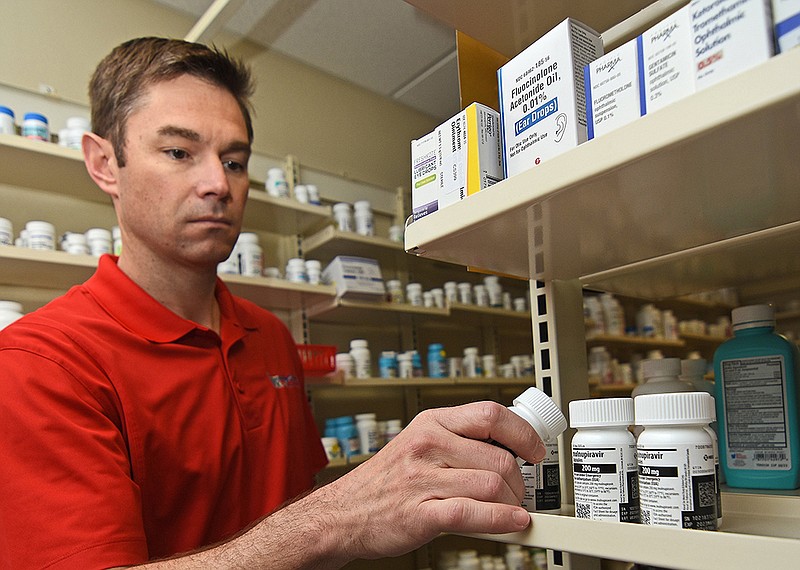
(174, 131)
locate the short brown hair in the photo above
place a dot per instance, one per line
(132, 67)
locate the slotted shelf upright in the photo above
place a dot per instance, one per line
(700, 195)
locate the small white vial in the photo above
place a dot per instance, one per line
(489, 366)
(480, 295)
(7, 126)
(296, 270)
(362, 359)
(465, 293)
(343, 216)
(471, 363)
(414, 294)
(451, 292)
(74, 243)
(394, 291)
(363, 218)
(396, 233)
(438, 297)
(301, 193)
(99, 241)
(40, 235)
(393, 427)
(520, 304)
(314, 271)
(604, 460)
(313, 194)
(6, 232)
(345, 364)
(677, 483)
(367, 426)
(276, 183)
(405, 366)
(251, 256)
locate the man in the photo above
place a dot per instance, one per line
(148, 415)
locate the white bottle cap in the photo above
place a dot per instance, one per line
(541, 412)
(659, 367)
(275, 172)
(675, 408)
(358, 343)
(341, 207)
(362, 205)
(365, 417)
(753, 316)
(601, 412)
(247, 237)
(12, 306)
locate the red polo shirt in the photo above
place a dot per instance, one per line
(129, 433)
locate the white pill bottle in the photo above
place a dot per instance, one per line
(604, 460)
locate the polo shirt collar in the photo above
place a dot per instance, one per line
(135, 309)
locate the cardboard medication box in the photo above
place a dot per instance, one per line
(729, 36)
(786, 18)
(355, 277)
(542, 98)
(459, 158)
(641, 76)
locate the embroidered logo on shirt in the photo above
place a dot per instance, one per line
(285, 381)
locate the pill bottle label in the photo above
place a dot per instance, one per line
(677, 485)
(605, 482)
(755, 404)
(543, 482)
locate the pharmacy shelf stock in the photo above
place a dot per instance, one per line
(697, 196)
(384, 314)
(55, 169)
(53, 272)
(758, 531)
(338, 379)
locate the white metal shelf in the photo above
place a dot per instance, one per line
(708, 187)
(758, 531)
(58, 270)
(55, 169)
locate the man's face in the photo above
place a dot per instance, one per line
(182, 192)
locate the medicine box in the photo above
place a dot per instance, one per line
(667, 61)
(542, 98)
(729, 36)
(786, 19)
(355, 277)
(613, 94)
(461, 157)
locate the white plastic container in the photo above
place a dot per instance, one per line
(36, 127)
(661, 375)
(451, 292)
(296, 270)
(396, 233)
(116, 236)
(604, 460)
(363, 218)
(471, 363)
(75, 243)
(301, 193)
(6, 232)
(251, 255)
(313, 194)
(438, 297)
(465, 293)
(489, 366)
(332, 448)
(275, 184)
(675, 453)
(367, 426)
(394, 291)
(345, 364)
(414, 294)
(40, 235)
(314, 271)
(99, 241)
(393, 427)
(542, 480)
(7, 126)
(343, 215)
(72, 135)
(10, 311)
(520, 304)
(362, 358)
(405, 366)
(427, 299)
(480, 296)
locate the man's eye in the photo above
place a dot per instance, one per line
(177, 154)
(233, 166)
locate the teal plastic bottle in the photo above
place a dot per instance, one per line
(757, 400)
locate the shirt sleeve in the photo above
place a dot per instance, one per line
(67, 499)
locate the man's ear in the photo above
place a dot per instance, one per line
(101, 162)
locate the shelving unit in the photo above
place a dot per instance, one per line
(695, 197)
